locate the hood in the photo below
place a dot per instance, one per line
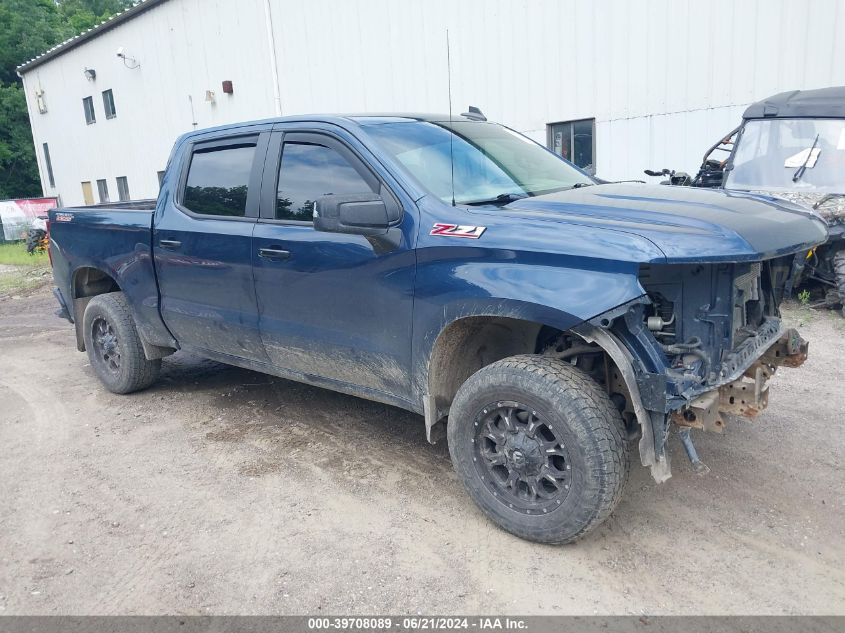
(688, 225)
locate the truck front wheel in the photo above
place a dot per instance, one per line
(114, 347)
(839, 275)
(539, 446)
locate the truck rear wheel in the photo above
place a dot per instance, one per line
(114, 347)
(539, 446)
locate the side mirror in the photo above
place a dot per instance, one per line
(361, 214)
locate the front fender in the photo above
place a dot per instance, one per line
(550, 294)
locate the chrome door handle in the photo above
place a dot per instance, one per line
(169, 243)
(273, 253)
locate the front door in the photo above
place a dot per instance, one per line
(335, 306)
(203, 247)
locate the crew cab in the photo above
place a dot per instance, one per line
(541, 321)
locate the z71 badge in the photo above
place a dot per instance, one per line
(458, 230)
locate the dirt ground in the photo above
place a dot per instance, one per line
(225, 491)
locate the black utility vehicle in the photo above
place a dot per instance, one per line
(792, 146)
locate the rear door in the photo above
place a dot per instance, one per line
(203, 246)
(335, 306)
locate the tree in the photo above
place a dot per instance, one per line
(81, 15)
(30, 27)
(18, 169)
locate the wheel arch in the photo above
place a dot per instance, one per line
(86, 283)
(89, 281)
(466, 345)
(470, 343)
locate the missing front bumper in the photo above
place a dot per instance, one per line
(748, 395)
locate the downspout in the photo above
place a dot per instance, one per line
(271, 43)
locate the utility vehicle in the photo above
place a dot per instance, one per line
(792, 146)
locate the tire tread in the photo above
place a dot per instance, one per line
(578, 397)
(839, 273)
(139, 372)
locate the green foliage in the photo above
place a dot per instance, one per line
(30, 27)
(81, 15)
(18, 169)
(804, 297)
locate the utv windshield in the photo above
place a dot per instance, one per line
(491, 163)
(790, 155)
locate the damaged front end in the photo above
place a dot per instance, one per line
(701, 344)
(747, 395)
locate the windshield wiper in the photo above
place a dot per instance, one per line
(578, 185)
(800, 171)
(502, 198)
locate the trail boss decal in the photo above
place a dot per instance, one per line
(64, 217)
(458, 230)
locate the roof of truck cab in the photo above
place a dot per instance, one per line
(336, 119)
(821, 103)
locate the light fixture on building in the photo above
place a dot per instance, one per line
(210, 97)
(90, 74)
(130, 62)
(40, 102)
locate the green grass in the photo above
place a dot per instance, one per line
(20, 271)
(14, 254)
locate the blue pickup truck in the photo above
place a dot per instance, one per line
(543, 322)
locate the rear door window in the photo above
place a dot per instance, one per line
(218, 180)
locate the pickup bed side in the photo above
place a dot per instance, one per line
(110, 245)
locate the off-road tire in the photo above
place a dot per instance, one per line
(590, 426)
(134, 372)
(839, 276)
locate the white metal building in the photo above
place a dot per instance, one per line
(650, 83)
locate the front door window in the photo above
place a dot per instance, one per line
(309, 171)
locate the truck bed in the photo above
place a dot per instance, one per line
(129, 205)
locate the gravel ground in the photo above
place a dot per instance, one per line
(225, 491)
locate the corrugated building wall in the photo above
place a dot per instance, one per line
(662, 79)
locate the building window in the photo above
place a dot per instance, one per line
(87, 192)
(88, 106)
(218, 181)
(108, 104)
(575, 141)
(49, 164)
(122, 188)
(103, 190)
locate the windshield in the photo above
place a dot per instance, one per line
(491, 162)
(790, 155)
